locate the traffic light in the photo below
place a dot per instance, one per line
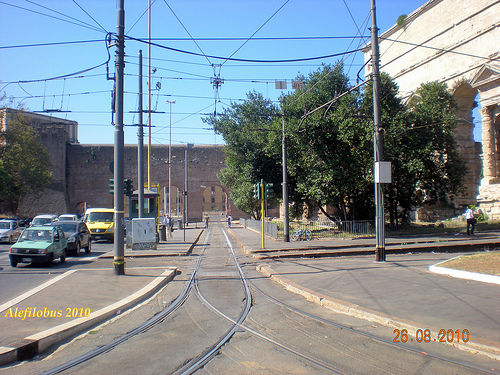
(111, 186)
(128, 189)
(256, 191)
(268, 190)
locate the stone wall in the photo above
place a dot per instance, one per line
(90, 168)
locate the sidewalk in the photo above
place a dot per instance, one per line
(57, 309)
(400, 293)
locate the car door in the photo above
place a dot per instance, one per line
(85, 235)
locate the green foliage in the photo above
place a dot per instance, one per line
(24, 161)
(330, 146)
(401, 20)
(250, 130)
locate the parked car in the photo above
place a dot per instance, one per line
(43, 220)
(9, 230)
(77, 235)
(40, 244)
(26, 222)
(66, 217)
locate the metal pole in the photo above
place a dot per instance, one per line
(185, 191)
(149, 96)
(140, 147)
(286, 225)
(119, 258)
(170, 102)
(262, 214)
(377, 142)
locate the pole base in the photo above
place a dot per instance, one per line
(119, 267)
(286, 238)
(380, 254)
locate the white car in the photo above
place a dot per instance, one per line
(9, 230)
(68, 217)
(41, 220)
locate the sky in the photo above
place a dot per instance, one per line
(54, 56)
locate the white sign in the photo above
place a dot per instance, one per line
(383, 172)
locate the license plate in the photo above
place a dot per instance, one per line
(27, 259)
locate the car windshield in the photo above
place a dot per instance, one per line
(36, 235)
(41, 220)
(69, 227)
(100, 216)
(4, 225)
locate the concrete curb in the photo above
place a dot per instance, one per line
(475, 344)
(492, 279)
(38, 342)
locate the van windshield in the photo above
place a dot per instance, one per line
(101, 216)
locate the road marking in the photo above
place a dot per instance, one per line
(29, 293)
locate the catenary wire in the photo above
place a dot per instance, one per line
(54, 17)
(92, 18)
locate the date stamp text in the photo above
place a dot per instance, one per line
(425, 335)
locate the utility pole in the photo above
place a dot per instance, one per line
(119, 256)
(377, 143)
(140, 146)
(149, 95)
(286, 226)
(170, 102)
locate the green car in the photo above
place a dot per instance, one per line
(39, 245)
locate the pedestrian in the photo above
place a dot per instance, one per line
(229, 219)
(206, 221)
(471, 220)
(168, 223)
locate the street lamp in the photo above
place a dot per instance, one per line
(170, 102)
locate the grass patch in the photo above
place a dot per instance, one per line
(487, 262)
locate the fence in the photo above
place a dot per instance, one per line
(318, 229)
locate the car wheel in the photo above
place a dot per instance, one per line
(63, 256)
(88, 249)
(13, 264)
(77, 250)
(51, 259)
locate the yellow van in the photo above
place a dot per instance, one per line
(101, 224)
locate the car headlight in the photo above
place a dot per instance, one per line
(42, 251)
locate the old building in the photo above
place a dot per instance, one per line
(81, 173)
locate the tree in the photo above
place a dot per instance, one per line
(249, 130)
(328, 149)
(419, 143)
(24, 165)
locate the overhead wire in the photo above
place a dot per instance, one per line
(324, 57)
(79, 23)
(92, 18)
(265, 23)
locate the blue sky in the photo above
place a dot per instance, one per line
(44, 39)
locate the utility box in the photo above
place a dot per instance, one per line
(143, 234)
(383, 172)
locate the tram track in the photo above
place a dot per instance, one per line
(217, 270)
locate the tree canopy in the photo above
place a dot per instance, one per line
(329, 131)
(24, 162)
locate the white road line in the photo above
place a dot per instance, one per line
(29, 293)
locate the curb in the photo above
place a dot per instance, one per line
(38, 342)
(485, 347)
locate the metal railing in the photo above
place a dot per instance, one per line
(318, 229)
